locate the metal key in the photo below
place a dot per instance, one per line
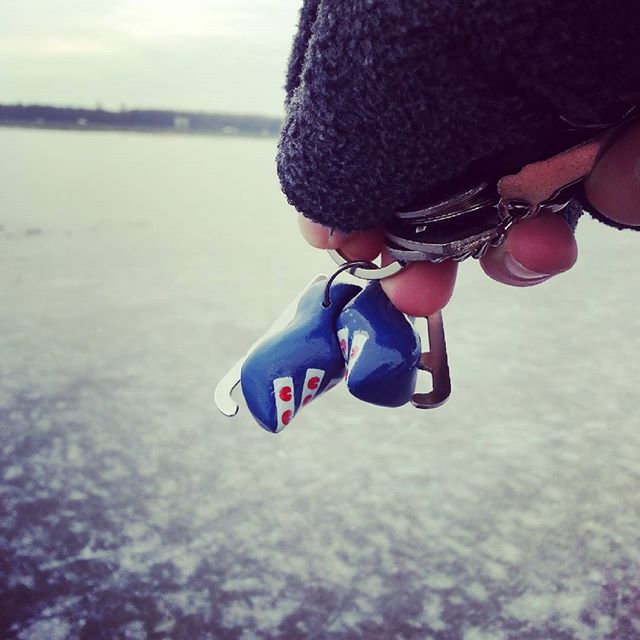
(434, 361)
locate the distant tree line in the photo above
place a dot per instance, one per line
(137, 119)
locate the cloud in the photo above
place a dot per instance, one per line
(190, 53)
(43, 46)
(30, 27)
(167, 20)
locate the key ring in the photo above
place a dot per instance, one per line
(351, 267)
(466, 224)
(363, 272)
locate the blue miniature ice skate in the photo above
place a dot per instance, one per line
(329, 333)
(381, 349)
(291, 368)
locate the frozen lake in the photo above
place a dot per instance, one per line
(135, 269)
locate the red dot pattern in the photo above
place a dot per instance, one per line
(285, 394)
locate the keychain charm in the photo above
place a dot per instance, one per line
(226, 386)
(289, 369)
(333, 332)
(381, 349)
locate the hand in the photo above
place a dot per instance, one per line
(534, 250)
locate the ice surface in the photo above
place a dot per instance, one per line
(130, 509)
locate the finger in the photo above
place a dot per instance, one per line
(363, 245)
(358, 245)
(534, 251)
(422, 288)
(318, 235)
(613, 187)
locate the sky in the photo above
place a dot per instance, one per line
(204, 55)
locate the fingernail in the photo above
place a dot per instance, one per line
(521, 272)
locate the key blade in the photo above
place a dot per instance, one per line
(222, 395)
(436, 363)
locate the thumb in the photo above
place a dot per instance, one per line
(613, 187)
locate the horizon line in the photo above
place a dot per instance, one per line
(125, 108)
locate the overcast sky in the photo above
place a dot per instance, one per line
(213, 55)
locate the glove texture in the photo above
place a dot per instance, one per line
(395, 102)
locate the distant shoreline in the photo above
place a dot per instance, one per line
(53, 126)
(137, 121)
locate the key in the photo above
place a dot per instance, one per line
(461, 226)
(435, 362)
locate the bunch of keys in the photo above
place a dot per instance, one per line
(334, 332)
